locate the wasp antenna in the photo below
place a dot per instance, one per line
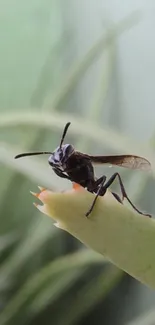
(25, 154)
(64, 133)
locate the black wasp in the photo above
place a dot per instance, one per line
(78, 167)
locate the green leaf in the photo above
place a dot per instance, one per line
(87, 297)
(71, 262)
(108, 230)
(45, 120)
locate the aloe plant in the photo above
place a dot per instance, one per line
(41, 266)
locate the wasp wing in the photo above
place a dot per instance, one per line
(126, 161)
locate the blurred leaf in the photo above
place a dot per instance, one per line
(8, 240)
(87, 297)
(53, 290)
(144, 319)
(33, 168)
(75, 74)
(39, 232)
(110, 137)
(72, 261)
(100, 93)
(34, 79)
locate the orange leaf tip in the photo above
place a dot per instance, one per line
(34, 194)
(41, 188)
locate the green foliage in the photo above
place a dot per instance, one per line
(41, 269)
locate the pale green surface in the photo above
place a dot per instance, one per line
(44, 66)
(124, 237)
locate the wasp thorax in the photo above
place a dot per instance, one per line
(61, 155)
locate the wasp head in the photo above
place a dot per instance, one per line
(60, 156)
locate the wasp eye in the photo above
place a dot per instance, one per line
(61, 155)
(51, 160)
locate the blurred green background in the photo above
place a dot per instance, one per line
(91, 63)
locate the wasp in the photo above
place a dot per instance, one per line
(77, 167)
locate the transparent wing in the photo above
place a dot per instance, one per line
(126, 161)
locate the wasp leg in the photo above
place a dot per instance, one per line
(98, 189)
(116, 196)
(123, 191)
(60, 173)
